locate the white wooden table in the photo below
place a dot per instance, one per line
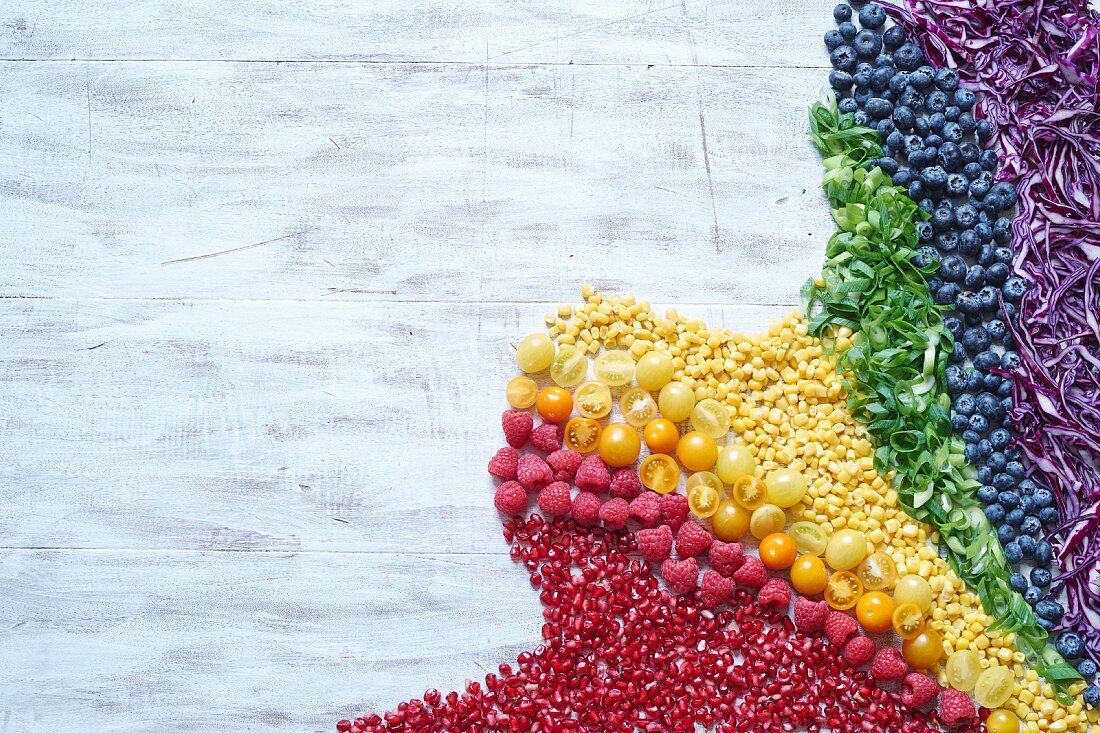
(263, 264)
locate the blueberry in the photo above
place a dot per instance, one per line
(888, 165)
(1026, 542)
(1091, 696)
(970, 153)
(936, 123)
(898, 82)
(878, 108)
(914, 100)
(947, 79)
(1040, 577)
(952, 113)
(833, 39)
(964, 98)
(924, 228)
(999, 438)
(867, 44)
(842, 12)
(908, 57)
(902, 178)
(847, 106)
(880, 77)
(927, 204)
(893, 37)
(969, 242)
(1013, 553)
(1027, 486)
(1033, 596)
(1043, 497)
(974, 381)
(975, 339)
(1006, 405)
(1013, 289)
(1087, 668)
(1048, 515)
(987, 494)
(965, 216)
(1069, 644)
(1005, 532)
(986, 360)
(1007, 191)
(988, 158)
(921, 125)
(952, 132)
(956, 184)
(988, 296)
(1017, 582)
(1015, 517)
(848, 30)
(840, 80)
(1008, 499)
(947, 293)
(862, 78)
(947, 242)
(872, 16)
(1031, 526)
(985, 448)
(1048, 625)
(975, 276)
(1044, 553)
(996, 514)
(904, 117)
(1001, 481)
(1015, 469)
(955, 376)
(984, 129)
(1028, 505)
(996, 327)
(965, 405)
(1010, 311)
(996, 461)
(959, 423)
(988, 405)
(984, 474)
(861, 118)
(966, 122)
(936, 101)
(952, 268)
(970, 450)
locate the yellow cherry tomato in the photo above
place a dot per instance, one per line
(924, 650)
(703, 500)
(875, 611)
(711, 417)
(593, 399)
(614, 368)
(963, 669)
(554, 404)
(661, 436)
(766, 519)
(749, 492)
(676, 401)
(843, 590)
(653, 370)
(809, 537)
(697, 451)
(878, 571)
(660, 473)
(808, 575)
(582, 434)
(734, 461)
(705, 478)
(730, 522)
(638, 407)
(619, 445)
(786, 487)
(777, 551)
(913, 589)
(846, 549)
(570, 367)
(994, 686)
(535, 353)
(1002, 721)
(522, 392)
(908, 620)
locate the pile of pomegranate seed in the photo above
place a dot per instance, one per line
(621, 654)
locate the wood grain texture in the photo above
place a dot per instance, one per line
(260, 426)
(407, 182)
(730, 32)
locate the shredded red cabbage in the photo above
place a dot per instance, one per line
(1035, 64)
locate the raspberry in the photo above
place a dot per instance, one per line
(533, 472)
(808, 615)
(715, 589)
(517, 427)
(839, 627)
(776, 592)
(614, 513)
(510, 499)
(859, 650)
(547, 438)
(692, 540)
(565, 464)
(888, 664)
(956, 705)
(625, 484)
(593, 475)
(674, 510)
(752, 573)
(503, 464)
(680, 574)
(554, 499)
(654, 544)
(646, 509)
(586, 509)
(920, 689)
(726, 557)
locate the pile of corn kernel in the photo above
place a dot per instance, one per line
(787, 403)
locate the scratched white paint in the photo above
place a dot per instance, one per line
(247, 491)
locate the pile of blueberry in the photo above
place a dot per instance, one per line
(932, 146)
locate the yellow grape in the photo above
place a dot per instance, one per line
(786, 487)
(913, 589)
(1002, 721)
(705, 478)
(765, 520)
(711, 417)
(654, 370)
(846, 549)
(994, 687)
(535, 353)
(570, 367)
(735, 461)
(614, 368)
(676, 401)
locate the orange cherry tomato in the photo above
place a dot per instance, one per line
(875, 611)
(619, 445)
(843, 590)
(660, 473)
(522, 392)
(582, 434)
(661, 436)
(924, 650)
(778, 551)
(593, 399)
(908, 620)
(703, 500)
(730, 522)
(809, 576)
(554, 404)
(750, 492)
(697, 451)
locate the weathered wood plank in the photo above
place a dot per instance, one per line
(558, 31)
(127, 642)
(407, 182)
(259, 425)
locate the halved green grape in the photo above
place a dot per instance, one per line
(653, 370)
(570, 367)
(711, 417)
(809, 538)
(734, 461)
(614, 368)
(676, 401)
(535, 353)
(963, 668)
(994, 687)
